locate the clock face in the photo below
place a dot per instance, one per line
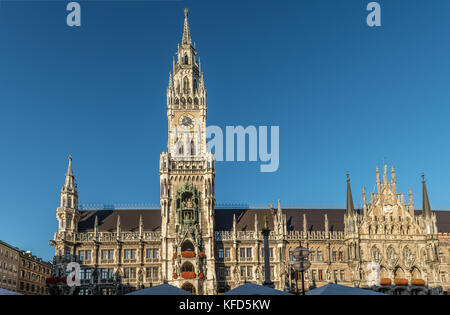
(186, 121)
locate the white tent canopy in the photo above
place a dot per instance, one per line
(254, 289)
(336, 289)
(6, 292)
(162, 289)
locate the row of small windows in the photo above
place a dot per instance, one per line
(35, 267)
(317, 255)
(32, 288)
(8, 254)
(183, 101)
(244, 252)
(6, 280)
(314, 255)
(319, 275)
(245, 272)
(32, 276)
(108, 254)
(5, 266)
(151, 273)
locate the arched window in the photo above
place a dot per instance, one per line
(376, 256)
(186, 59)
(319, 255)
(334, 255)
(188, 287)
(192, 147)
(187, 246)
(186, 85)
(187, 267)
(312, 255)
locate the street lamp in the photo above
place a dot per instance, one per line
(301, 264)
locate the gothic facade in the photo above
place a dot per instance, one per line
(191, 244)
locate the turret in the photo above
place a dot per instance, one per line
(350, 213)
(118, 229)
(428, 217)
(67, 212)
(393, 181)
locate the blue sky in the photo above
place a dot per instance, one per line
(344, 95)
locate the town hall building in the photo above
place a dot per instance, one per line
(189, 243)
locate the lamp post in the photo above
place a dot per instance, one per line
(301, 264)
(266, 233)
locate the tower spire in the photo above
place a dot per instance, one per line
(393, 180)
(186, 32)
(350, 208)
(364, 201)
(67, 212)
(69, 183)
(426, 209)
(378, 179)
(411, 203)
(69, 169)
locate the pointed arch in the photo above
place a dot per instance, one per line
(416, 274)
(186, 88)
(399, 273)
(384, 273)
(188, 287)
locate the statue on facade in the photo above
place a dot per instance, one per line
(140, 276)
(257, 274)
(236, 274)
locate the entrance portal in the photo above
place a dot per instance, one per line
(188, 287)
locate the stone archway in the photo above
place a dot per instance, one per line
(187, 246)
(189, 287)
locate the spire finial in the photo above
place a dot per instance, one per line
(69, 169)
(385, 167)
(69, 183)
(186, 32)
(350, 207)
(426, 208)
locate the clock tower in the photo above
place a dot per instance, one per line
(187, 178)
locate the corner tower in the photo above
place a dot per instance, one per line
(187, 178)
(67, 213)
